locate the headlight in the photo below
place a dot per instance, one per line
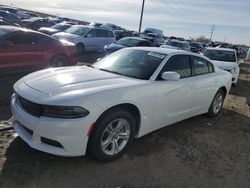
(234, 70)
(65, 111)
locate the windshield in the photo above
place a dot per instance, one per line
(77, 30)
(128, 42)
(132, 63)
(60, 27)
(172, 43)
(220, 55)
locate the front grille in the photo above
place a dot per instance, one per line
(30, 107)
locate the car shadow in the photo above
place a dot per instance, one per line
(197, 145)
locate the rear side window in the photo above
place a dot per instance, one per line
(14, 38)
(180, 64)
(104, 33)
(201, 66)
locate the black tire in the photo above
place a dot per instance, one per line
(96, 138)
(59, 61)
(80, 48)
(213, 111)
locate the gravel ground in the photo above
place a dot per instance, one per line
(198, 152)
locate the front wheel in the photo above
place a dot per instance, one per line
(112, 135)
(217, 103)
(59, 61)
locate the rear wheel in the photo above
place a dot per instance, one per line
(217, 103)
(59, 61)
(112, 135)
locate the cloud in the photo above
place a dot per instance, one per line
(179, 17)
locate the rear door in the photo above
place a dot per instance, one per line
(12, 50)
(174, 99)
(204, 84)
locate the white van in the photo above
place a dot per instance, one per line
(87, 38)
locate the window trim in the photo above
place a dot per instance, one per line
(192, 66)
(158, 78)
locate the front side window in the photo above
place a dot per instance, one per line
(132, 63)
(180, 64)
(77, 30)
(200, 66)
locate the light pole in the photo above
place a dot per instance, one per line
(142, 10)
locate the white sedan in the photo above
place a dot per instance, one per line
(101, 108)
(225, 59)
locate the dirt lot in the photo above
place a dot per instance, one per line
(198, 152)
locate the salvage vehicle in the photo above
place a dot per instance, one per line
(176, 44)
(30, 50)
(87, 38)
(100, 109)
(126, 42)
(226, 59)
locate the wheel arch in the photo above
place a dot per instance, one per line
(224, 89)
(131, 108)
(54, 56)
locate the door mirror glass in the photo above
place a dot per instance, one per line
(170, 76)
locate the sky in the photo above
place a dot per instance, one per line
(184, 18)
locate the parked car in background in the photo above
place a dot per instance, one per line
(26, 49)
(152, 30)
(225, 59)
(127, 42)
(6, 22)
(26, 14)
(176, 44)
(10, 17)
(155, 38)
(87, 38)
(126, 95)
(36, 23)
(55, 28)
(123, 33)
(11, 10)
(196, 47)
(95, 24)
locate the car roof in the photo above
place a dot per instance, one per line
(166, 51)
(221, 49)
(9, 29)
(92, 27)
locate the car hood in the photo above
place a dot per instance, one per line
(114, 46)
(48, 30)
(224, 64)
(77, 80)
(63, 35)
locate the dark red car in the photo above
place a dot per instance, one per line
(27, 49)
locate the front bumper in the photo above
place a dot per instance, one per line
(65, 137)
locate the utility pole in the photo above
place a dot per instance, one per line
(142, 10)
(212, 32)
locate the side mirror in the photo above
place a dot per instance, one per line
(240, 61)
(170, 76)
